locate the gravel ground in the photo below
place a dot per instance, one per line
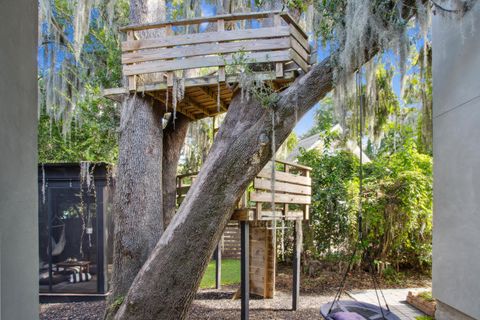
(208, 304)
(91, 310)
(218, 304)
(212, 304)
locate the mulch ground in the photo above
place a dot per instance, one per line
(218, 304)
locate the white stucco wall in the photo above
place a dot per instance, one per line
(456, 144)
(18, 160)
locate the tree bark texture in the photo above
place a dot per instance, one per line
(138, 197)
(173, 140)
(138, 194)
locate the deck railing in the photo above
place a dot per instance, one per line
(292, 194)
(265, 38)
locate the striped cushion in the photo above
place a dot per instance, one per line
(80, 277)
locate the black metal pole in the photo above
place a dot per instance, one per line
(100, 235)
(218, 266)
(244, 270)
(296, 264)
(49, 219)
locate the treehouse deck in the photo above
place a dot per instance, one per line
(197, 62)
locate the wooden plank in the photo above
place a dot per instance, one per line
(298, 60)
(132, 80)
(207, 37)
(286, 177)
(115, 94)
(294, 165)
(212, 80)
(300, 50)
(226, 17)
(242, 215)
(291, 215)
(206, 49)
(221, 70)
(279, 70)
(203, 62)
(264, 184)
(279, 198)
(300, 38)
(183, 190)
(213, 97)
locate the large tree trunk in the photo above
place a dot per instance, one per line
(167, 283)
(173, 139)
(138, 194)
(138, 203)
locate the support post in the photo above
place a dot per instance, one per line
(296, 264)
(218, 265)
(244, 270)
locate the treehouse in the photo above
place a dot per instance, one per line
(195, 66)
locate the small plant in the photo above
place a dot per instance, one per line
(426, 295)
(424, 318)
(118, 302)
(392, 276)
(249, 84)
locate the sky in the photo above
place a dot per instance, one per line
(306, 122)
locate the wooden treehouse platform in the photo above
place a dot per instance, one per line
(202, 57)
(292, 194)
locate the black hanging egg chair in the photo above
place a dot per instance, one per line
(355, 310)
(349, 309)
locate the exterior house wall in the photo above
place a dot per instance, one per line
(456, 144)
(18, 160)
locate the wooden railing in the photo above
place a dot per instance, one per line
(292, 194)
(273, 38)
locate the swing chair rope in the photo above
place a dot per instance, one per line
(360, 212)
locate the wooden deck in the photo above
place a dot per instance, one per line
(197, 54)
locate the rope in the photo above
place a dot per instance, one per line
(360, 212)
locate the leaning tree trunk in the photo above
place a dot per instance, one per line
(167, 283)
(173, 139)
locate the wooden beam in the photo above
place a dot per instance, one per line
(188, 100)
(286, 177)
(207, 37)
(266, 197)
(265, 184)
(206, 49)
(212, 80)
(213, 97)
(204, 62)
(227, 17)
(132, 80)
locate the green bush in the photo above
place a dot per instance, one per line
(396, 206)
